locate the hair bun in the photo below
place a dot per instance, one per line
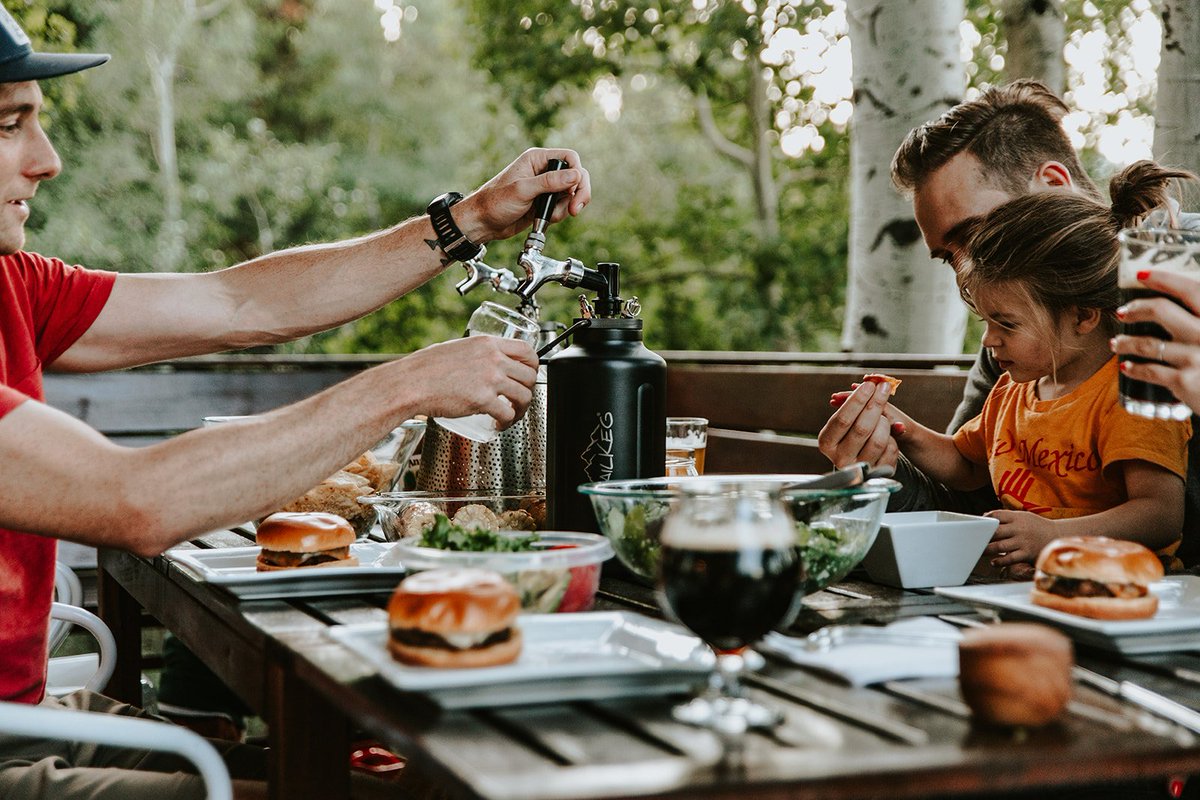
(1139, 189)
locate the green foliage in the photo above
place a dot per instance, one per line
(297, 121)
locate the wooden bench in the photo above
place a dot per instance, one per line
(765, 410)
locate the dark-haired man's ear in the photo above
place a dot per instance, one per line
(1052, 175)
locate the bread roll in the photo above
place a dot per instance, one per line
(1015, 673)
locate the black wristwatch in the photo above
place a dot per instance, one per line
(452, 240)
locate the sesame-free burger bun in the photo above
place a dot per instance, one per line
(454, 618)
(1015, 673)
(1099, 558)
(1097, 577)
(304, 532)
(1098, 607)
(294, 540)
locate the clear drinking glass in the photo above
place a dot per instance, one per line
(1161, 250)
(490, 319)
(687, 437)
(730, 572)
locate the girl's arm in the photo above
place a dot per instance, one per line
(935, 454)
(1153, 516)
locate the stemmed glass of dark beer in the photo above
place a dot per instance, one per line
(1166, 251)
(730, 572)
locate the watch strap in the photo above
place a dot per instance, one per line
(450, 238)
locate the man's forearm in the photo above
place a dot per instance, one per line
(295, 292)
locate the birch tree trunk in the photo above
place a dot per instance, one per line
(1177, 110)
(907, 71)
(162, 58)
(1036, 31)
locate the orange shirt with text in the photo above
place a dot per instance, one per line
(1060, 458)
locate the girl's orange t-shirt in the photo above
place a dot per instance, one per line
(1061, 458)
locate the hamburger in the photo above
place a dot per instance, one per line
(454, 618)
(293, 540)
(1098, 577)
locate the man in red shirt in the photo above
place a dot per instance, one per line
(66, 318)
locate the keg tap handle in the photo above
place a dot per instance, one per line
(541, 269)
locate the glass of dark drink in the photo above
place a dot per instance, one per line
(1161, 250)
(730, 572)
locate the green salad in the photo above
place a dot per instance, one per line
(445, 535)
(638, 544)
(541, 590)
(829, 553)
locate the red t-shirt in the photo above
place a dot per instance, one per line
(45, 306)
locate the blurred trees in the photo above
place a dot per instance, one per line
(714, 131)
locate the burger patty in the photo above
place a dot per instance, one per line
(1079, 587)
(414, 637)
(283, 558)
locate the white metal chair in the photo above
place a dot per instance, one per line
(92, 671)
(69, 591)
(20, 719)
(66, 674)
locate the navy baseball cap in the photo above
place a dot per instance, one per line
(18, 62)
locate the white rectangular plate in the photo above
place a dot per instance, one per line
(587, 656)
(233, 568)
(1176, 626)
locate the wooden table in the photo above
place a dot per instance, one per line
(909, 739)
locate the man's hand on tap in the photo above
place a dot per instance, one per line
(503, 206)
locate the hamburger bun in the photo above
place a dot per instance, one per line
(1097, 577)
(454, 618)
(294, 540)
(1016, 673)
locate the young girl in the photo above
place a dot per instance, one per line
(1061, 453)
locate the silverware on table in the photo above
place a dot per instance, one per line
(1140, 696)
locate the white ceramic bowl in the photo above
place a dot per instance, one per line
(919, 549)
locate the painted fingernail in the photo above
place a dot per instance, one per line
(1124, 366)
(1143, 274)
(1121, 312)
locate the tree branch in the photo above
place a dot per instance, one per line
(708, 126)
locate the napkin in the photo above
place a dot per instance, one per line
(861, 663)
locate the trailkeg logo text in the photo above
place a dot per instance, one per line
(597, 457)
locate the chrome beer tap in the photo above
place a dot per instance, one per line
(479, 273)
(539, 268)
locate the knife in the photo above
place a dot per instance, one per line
(1140, 696)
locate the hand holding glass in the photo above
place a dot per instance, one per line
(730, 572)
(1160, 250)
(490, 319)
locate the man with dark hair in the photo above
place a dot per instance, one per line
(145, 500)
(973, 158)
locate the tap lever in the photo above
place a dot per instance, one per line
(543, 206)
(478, 273)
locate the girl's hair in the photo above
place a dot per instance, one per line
(1060, 250)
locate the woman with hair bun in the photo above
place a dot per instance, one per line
(1061, 453)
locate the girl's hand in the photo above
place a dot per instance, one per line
(1020, 537)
